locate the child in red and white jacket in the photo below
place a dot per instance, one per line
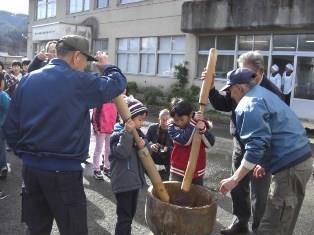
(103, 121)
(181, 129)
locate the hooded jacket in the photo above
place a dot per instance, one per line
(182, 143)
(127, 172)
(104, 118)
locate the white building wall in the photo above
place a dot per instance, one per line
(141, 19)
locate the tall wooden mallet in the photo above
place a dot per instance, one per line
(144, 154)
(197, 138)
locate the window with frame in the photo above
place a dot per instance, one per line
(150, 55)
(285, 42)
(79, 6)
(306, 42)
(304, 80)
(128, 54)
(170, 53)
(100, 45)
(46, 9)
(102, 3)
(226, 48)
(129, 1)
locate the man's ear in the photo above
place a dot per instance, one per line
(77, 55)
(76, 58)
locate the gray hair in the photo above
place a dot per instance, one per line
(249, 85)
(163, 112)
(253, 58)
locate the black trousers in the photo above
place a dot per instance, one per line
(126, 209)
(50, 195)
(250, 194)
(288, 98)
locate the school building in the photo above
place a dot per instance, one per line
(146, 38)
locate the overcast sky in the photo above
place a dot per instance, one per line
(14, 6)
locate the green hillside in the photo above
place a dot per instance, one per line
(13, 28)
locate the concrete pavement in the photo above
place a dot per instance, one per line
(101, 201)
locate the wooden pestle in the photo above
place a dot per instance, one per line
(144, 154)
(197, 138)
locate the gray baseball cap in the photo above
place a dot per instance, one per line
(238, 76)
(77, 43)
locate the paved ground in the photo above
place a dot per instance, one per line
(101, 202)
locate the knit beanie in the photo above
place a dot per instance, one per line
(136, 107)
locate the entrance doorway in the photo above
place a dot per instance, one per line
(281, 61)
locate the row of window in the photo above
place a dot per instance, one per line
(231, 46)
(293, 42)
(150, 55)
(279, 49)
(47, 8)
(147, 55)
(158, 56)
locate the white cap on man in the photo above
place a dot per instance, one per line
(289, 66)
(275, 68)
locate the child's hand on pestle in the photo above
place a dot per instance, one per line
(129, 125)
(198, 116)
(141, 144)
(200, 125)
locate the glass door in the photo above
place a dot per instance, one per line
(303, 98)
(281, 61)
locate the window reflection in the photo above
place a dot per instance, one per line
(284, 42)
(225, 42)
(245, 42)
(261, 42)
(206, 42)
(306, 42)
(224, 65)
(304, 87)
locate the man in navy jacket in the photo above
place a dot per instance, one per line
(48, 127)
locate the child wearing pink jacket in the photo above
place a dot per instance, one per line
(103, 120)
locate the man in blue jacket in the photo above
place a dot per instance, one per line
(274, 141)
(251, 193)
(48, 127)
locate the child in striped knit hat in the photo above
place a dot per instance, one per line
(127, 172)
